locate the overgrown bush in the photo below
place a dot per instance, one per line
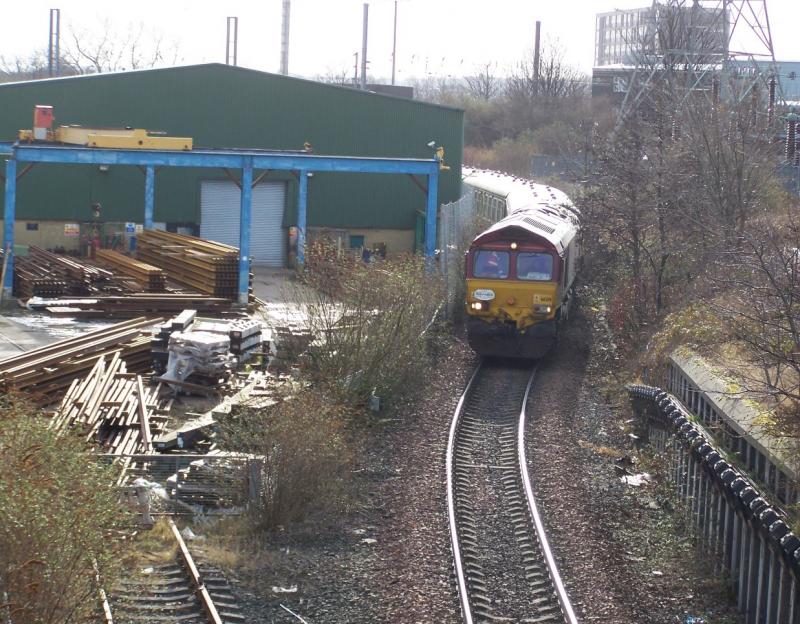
(59, 513)
(304, 454)
(369, 322)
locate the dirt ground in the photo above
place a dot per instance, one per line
(621, 549)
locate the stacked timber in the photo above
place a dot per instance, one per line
(114, 410)
(44, 374)
(126, 306)
(210, 267)
(150, 277)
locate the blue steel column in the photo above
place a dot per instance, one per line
(8, 223)
(149, 196)
(431, 212)
(302, 204)
(245, 213)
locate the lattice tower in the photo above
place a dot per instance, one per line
(714, 48)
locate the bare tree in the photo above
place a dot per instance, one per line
(698, 167)
(341, 77)
(760, 305)
(438, 89)
(34, 67)
(86, 53)
(132, 48)
(554, 80)
(484, 84)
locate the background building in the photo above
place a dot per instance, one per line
(231, 107)
(639, 38)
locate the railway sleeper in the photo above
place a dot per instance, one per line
(534, 576)
(474, 570)
(198, 617)
(160, 590)
(553, 617)
(146, 600)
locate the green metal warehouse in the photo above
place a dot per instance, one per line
(222, 106)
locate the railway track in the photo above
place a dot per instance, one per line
(504, 569)
(178, 591)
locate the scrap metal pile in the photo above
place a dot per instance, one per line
(44, 374)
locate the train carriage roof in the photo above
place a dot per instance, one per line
(538, 209)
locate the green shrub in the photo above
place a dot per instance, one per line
(59, 513)
(369, 322)
(304, 454)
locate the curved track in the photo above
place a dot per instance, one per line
(504, 569)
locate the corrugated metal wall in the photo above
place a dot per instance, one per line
(223, 106)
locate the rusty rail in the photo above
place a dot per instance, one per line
(199, 587)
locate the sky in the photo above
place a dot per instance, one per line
(434, 37)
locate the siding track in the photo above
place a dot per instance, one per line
(180, 592)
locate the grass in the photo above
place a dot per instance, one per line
(156, 545)
(605, 451)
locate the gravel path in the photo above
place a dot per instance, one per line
(390, 561)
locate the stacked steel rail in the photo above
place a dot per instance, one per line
(208, 266)
(178, 592)
(136, 304)
(114, 409)
(150, 277)
(44, 374)
(46, 274)
(504, 567)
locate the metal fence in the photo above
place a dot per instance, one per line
(750, 539)
(456, 230)
(192, 482)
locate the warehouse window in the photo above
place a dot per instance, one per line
(32, 227)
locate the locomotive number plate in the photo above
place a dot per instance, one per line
(483, 294)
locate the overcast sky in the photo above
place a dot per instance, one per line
(434, 37)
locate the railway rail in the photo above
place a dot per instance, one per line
(180, 591)
(504, 568)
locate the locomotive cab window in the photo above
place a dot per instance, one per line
(491, 264)
(535, 266)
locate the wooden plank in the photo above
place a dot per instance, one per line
(144, 424)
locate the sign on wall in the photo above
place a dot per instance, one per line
(72, 230)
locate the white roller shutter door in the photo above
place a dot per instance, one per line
(219, 218)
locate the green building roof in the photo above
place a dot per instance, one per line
(224, 106)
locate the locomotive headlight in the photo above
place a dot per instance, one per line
(542, 309)
(477, 305)
(513, 245)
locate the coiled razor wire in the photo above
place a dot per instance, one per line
(731, 481)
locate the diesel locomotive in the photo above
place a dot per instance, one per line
(520, 271)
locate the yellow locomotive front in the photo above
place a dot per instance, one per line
(512, 298)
